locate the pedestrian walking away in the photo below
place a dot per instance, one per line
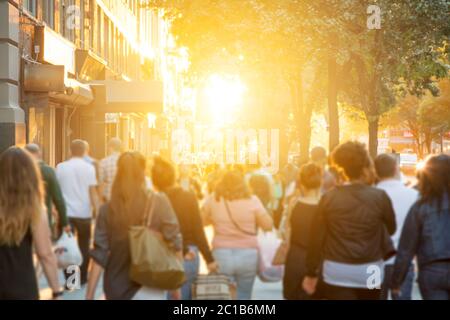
(235, 215)
(23, 224)
(426, 234)
(187, 210)
(402, 197)
(78, 184)
(350, 231)
(127, 207)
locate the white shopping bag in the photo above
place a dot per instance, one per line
(268, 246)
(67, 251)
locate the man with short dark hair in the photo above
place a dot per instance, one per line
(53, 194)
(78, 184)
(402, 198)
(386, 166)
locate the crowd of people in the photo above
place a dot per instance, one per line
(350, 227)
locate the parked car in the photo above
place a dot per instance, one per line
(408, 163)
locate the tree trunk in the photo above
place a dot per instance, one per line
(333, 113)
(373, 137)
(419, 146)
(284, 147)
(428, 141)
(305, 138)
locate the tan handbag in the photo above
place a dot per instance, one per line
(153, 263)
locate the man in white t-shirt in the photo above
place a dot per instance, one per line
(402, 199)
(78, 184)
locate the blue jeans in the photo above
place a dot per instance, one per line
(191, 269)
(241, 266)
(405, 289)
(434, 281)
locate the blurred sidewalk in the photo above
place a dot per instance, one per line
(261, 291)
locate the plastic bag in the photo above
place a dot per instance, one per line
(67, 251)
(268, 246)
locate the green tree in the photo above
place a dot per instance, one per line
(427, 118)
(283, 39)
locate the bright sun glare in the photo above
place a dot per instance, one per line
(224, 95)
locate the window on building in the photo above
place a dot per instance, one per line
(30, 6)
(93, 25)
(78, 32)
(57, 16)
(48, 12)
(105, 38)
(86, 24)
(99, 31)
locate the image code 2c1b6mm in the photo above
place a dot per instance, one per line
(242, 310)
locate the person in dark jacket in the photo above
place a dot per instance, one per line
(127, 207)
(426, 233)
(187, 210)
(53, 194)
(349, 235)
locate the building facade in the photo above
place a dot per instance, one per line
(89, 69)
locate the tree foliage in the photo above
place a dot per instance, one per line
(264, 40)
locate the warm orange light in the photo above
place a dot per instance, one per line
(224, 94)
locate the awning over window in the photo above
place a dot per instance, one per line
(76, 93)
(89, 66)
(126, 97)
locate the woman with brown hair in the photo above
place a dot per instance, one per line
(298, 230)
(236, 215)
(186, 207)
(23, 223)
(127, 208)
(426, 233)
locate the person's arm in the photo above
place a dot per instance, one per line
(206, 211)
(57, 198)
(316, 241)
(389, 215)
(93, 191)
(170, 228)
(287, 234)
(93, 196)
(409, 242)
(198, 229)
(95, 272)
(263, 219)
(43, 247)
(314, 252)
(99, 253)
(102, 178)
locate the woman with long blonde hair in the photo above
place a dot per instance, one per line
(23, 223)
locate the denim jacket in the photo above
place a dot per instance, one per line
(426, 234)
